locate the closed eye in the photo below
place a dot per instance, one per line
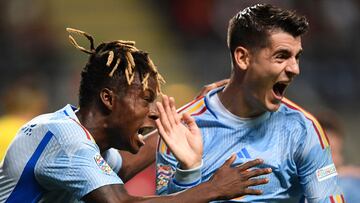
(283, 55)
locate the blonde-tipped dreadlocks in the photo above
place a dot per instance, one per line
(116, 51)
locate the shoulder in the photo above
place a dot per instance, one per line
(66, 130)
(195, 107)
(297, 115)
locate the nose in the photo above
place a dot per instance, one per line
(292, 68)
(153, 112)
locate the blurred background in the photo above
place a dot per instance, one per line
(186, 39)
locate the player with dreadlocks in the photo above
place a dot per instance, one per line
(70, 155)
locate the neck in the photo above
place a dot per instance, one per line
(236, 100)
(95, 123)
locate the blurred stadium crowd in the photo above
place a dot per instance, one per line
(187, 40)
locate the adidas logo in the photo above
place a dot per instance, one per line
(27, 129)
(243, 153)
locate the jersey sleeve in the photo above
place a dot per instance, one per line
(77, 168)
(169, 177)
(113, 158)
(317, 172)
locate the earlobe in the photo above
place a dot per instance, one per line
(107, 98)
(241, 57)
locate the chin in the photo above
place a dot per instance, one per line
(273, 106)
(134, 150)
(135, 147)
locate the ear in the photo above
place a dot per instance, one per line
(241, 57)
(107, 97)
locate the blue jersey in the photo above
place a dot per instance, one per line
(290, 141)
(53, 158)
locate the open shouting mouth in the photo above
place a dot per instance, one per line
(279, 89)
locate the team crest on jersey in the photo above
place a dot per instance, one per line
(103, 165)
(163, 175)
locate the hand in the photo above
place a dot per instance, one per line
(181, 135)
(212, 86)
(232, 182)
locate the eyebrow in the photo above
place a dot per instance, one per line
(287, 51)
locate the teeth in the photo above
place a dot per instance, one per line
(141, 138)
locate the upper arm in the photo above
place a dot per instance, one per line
(316, 169)
(113, 158)
(78, 169)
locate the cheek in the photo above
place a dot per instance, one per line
(138, 116)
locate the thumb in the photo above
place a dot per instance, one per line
(190, 122)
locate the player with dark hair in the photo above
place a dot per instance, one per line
(69, 155)
(251, 117)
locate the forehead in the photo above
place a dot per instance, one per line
(283, 40)
(137, 84)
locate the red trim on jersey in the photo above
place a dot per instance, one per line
(200, 112)
(86, 131)
(318, 134)
(189, 104)
(342, 198)
(332, 199)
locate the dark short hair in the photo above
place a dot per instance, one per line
(113, 65)
(250, 27)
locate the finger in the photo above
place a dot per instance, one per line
(201, 93)
(205, 90)
(254, 182)
(249, 164)
(211, 86)
(257, 172)
(163, 117)
(249, 191)
(168, 111)
(161, 130)
(173, 110)
(190, 122)
(230, 160)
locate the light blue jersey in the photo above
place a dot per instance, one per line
(53, 158)
(290, 141)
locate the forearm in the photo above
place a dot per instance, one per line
(117, 194)
(208, 193)
(135, 163)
